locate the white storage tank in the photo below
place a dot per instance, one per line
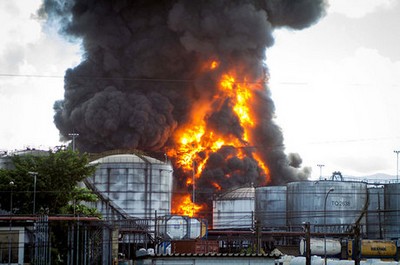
(234, 209)
(136, 185)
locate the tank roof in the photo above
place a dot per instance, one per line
(240, 193)
(127, 158)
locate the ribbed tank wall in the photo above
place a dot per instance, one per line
(270, 206)
(136, 186)
(392, 211)
(375, 214)
(6, 162)
(233, 213)
(316, 203)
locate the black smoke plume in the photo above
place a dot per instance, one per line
(140, 75)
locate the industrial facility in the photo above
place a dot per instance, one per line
(135, 200)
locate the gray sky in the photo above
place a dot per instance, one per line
(336, 87)
(335, 84)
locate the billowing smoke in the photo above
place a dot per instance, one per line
(139, 79)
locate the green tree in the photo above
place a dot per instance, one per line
(57, 176)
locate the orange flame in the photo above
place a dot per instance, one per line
(195, 137)
(185, 206)
(216, 185)
(214, 64)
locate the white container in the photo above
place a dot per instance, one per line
(317, 246)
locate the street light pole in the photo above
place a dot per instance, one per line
(326, 197)
(320, 170)
(34, 174)
(397, 169)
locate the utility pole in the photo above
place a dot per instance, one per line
(73, 135)
(326, 197)
(11, 213)
(258, 237)
(320, 170)
(194, 182)
(356, 244)
(308, 242)
(34, 174)
(397, 168)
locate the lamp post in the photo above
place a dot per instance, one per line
(397, 169)
(320, 170)
(326, 197)
(34, 174)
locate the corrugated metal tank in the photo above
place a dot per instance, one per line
(319, 245)
(234, 209)
(6, 157)
(375, 214)
(307, 201)
(137, 186)
(392, 211)
(270, 206)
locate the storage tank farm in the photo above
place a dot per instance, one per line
(141, 187)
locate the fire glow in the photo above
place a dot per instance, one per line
(219, 130)
(196, 141)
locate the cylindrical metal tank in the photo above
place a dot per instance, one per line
(374, 249)
(6, 157)
(173, 227)
(392, 211)
(375, 214)
(334, 205)
(136, 185)
(234, 209)
(270, 207)
(321, 246)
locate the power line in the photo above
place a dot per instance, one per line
(35, 76)
(355, 140)
(121, 78)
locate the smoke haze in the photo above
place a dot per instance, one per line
(140, 80)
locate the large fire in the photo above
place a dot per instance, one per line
(196, 141)
(218, 130)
